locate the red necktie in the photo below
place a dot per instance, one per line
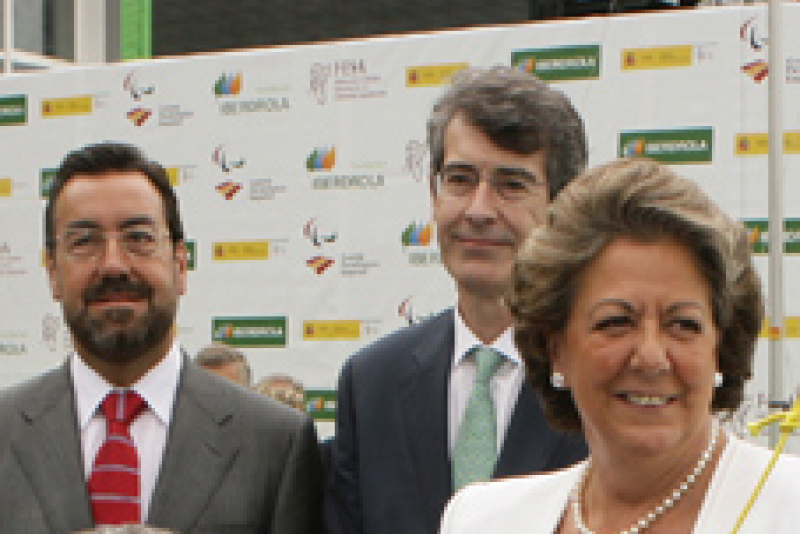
(114, 482)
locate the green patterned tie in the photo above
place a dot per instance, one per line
(475, 451)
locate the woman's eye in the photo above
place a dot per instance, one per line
(689, 325)
(613, 322)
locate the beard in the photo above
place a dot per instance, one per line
(117, 336)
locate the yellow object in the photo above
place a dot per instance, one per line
(788, 422)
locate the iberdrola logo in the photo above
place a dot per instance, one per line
(417, 234)
(228, 85)
(321, 159)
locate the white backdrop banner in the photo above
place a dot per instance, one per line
(302, 174)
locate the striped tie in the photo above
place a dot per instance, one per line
(114, 482)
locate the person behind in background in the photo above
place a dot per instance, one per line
(443, 403)
(639, 310)
(226, 362)
(129, 429)
(285, 389)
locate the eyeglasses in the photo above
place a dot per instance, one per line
(86, 244)
(510, 183)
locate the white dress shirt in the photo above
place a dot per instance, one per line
(149, 431)
(505, 384)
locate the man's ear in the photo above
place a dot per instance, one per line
(182, 260)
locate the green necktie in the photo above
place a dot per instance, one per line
(475, 451)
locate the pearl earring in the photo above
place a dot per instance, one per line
(718, 379)
(557, 380)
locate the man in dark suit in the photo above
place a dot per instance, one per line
(412, 421)
(129, 429)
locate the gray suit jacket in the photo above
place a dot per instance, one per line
(235, 461)
(390, 464)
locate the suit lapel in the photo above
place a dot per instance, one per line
(48, 451)
(201, 446)
(529, 441)
(424, 406)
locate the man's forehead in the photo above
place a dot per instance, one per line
(113, 198)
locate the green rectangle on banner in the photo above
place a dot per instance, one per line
(560, 63)
(191, 254)
(758, 235)
(13, 110)
(321, 404)
(136, 25)
(690, 145)
(250, 331)
(46, 181)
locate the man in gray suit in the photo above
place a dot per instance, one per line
(198, 454)
(412, 420)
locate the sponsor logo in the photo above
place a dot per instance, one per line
(416, 159)
(560, 63)
(191, 254)
(63, 107)
(355, 264)
(432, 75)
(317, 237)
(264, 189)
(13, 343)
(258, 105)
(228, 189)
(220, 158)
(662, 57)
(757, 144)
(241, 250)
(228, 85)
(319, 264)
(331, 330)
(6, 187)
(173, 115)
(11, 264)
(690, 145)
(139, 116)
(250, 331)
(791, 328)
(417, 234)
(349, 181)
(46, 178)
(51, 327)
(406, 311)
(321, 404)
(134, 89)
(321, 159)
(352, 80)
(13, 110)
(758, 235)
(757, 69)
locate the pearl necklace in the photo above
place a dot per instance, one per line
(669, 501)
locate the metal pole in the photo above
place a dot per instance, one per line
(777, 77)
(8, 35)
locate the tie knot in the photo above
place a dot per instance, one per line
(488, 361)
(122, 406)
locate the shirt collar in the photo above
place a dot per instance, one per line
(157, 387)
(466, 341)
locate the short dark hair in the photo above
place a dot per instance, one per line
(519, 113)
(101, 158)
(218, 355)
(645, 201)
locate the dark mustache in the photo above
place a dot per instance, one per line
(109, 286)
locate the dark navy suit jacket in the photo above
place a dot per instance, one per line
(390, 463)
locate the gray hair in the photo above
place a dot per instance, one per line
(519, 113)
(645, 201)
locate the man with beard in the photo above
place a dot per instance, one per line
(129, 429)
(443, 403)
